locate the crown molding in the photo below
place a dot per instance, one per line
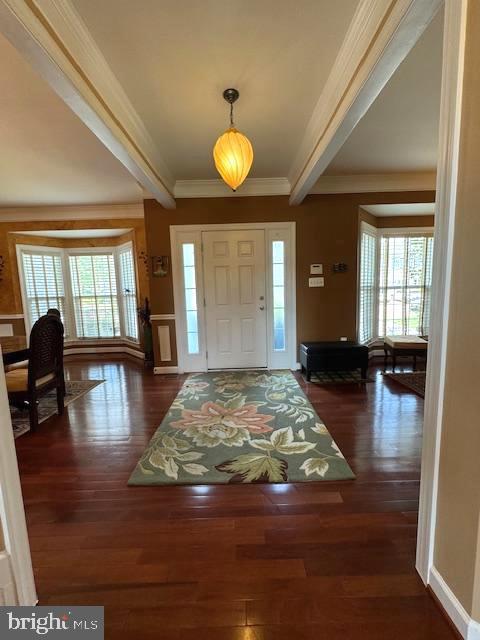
(380, 36)
(218, 188)
(80, 212)
(53, 38)
(162, 316)
(371, 183)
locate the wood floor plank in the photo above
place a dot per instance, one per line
(229, 562)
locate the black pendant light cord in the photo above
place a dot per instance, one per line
(231, 95)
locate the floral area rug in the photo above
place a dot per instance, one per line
(47, 405)
(240, 427)
(414, 380)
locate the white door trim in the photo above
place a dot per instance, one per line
(193, 232)
(449, 144)
(12, 512)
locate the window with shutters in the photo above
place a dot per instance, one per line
(94, 289)
(367, 284)
(43, 283)
(95, 299)
(128, 290)
(404, 287)
(395, 281)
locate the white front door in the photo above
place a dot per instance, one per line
(234, 277)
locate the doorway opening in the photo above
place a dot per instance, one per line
(234, 291)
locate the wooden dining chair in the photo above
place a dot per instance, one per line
(44, 371)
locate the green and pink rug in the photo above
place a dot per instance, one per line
(240, 427)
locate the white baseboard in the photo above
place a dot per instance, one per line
(8, 593)
(468, 628)
(71, 351)
(163, 370)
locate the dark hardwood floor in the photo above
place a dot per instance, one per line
(252, 562)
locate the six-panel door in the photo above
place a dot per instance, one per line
(234, 277)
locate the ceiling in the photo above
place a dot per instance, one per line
(399, 133)
(172, 60)
(277, 53)
(77, 233)
(409, 209)
(48, 155)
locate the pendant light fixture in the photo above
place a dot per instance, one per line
(233, 152)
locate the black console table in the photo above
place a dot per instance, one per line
(333, 356)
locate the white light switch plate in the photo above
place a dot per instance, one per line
(316, 269)
(316, 282)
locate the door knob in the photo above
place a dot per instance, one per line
(262, 308)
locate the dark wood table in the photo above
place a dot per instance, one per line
(12, 346)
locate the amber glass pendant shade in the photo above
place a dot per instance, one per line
(233, 156)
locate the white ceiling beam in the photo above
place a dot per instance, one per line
(54, 39)
(380, 36)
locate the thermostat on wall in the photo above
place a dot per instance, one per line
(316, 269)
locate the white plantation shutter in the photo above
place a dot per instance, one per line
(43, 284)
(128, 291)
(405, 285)
(94, 290)
(367, 284)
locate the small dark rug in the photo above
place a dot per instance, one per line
(47, 405)
(414, 380)
(338, 377)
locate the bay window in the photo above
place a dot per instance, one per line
(94, 289)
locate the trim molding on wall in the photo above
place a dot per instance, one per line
(7, 582)
(412, 181)
(466, 626)
(162, 316)
(375, 183)
(163, 332)
(13, 316)
(160, 370)
(71, 351)
(73, 212)
(12, 511)
(448, 151)
(218, 188)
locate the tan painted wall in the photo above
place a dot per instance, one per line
(457, 554)
(11, 234)
(326, 230)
